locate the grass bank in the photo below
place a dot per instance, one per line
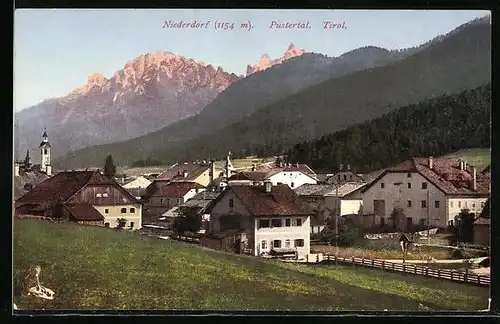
(92, 268)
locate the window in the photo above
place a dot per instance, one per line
(263, 223)
(473, 205)
(276, 244)
(106, 224)
(231, 203)
(287, 222)
(161, 200)
(408, 175)
(482, 205)
(424, 185)
(287, 243)
(424, 204)
(459, 204)
(106, 211)
(339, 177)
(409, 185)
(422, 222)
(196, 190)
(299, 242)
(451, 204)
(131, 224)
(382, 185)
(276, 223)
(408, 203)
(382, 221)
(350, 177)
(105, 194)
(292, 184)
(436, 204)
(465, 204)
(98, 195)
(299, 221)
(450, 223)
(345, 177)
(132, 210)
(123, 210)
(44, 151)
(263, 245)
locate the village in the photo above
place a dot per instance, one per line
(274, 209)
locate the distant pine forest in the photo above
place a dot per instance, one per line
(433, 127)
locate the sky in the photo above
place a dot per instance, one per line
(56, 50)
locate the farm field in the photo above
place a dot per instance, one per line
(89, 267)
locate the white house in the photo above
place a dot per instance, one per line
(292, 175)
(427, 190)
(171, 195)
(269, 219)
(330, 200)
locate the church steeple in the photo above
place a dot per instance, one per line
(45, 152)
(27, 160)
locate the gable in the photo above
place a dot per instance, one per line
(221, 204)
(103, 195)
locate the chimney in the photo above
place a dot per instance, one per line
(253, 167)
(348, 167)
(461, 164)
(211, 172)
(474, 179)
(341, 167)
(431, 160)
(465, 165)
(268, 185)
(281, 164)
(297, 164)
(185, 174)
(48, 170)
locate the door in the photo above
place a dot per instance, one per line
(379, 207)
(237, 246)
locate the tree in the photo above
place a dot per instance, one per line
(349, 235)
(109, 167)
(465, 222)
(121, 222)
(188, 221)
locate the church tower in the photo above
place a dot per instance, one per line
(45, 153)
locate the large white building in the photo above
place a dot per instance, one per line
(427, 190)
(268, 218)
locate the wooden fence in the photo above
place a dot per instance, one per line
(414, 269)
(186, 238)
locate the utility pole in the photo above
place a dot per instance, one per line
(428, 216)
(336, 222)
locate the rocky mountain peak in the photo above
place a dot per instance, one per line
(266, 62)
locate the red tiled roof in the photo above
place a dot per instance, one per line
(445, 175)
(281, 201)
(176, 171)
(176, 189)
(250, 175)
(84, 212)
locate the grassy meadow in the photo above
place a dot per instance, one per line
(99, 268)
(478, 157)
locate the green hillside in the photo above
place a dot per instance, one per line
(90, 267)
(432, 127)
(478, 157)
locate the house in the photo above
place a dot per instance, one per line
(331, 200)
(136, 186)
(292, 175)
(70, 195)
(265, 219)
(344, 176)
(482, 226)
(170, 195)
(424, 191)
(168, 218)
(199, 204)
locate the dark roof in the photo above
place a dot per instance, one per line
(176, 189)
(175, 172)
(487, 169)
(84, 212)
(223, 234)
(308, 189)
(250, 176)
(32, 178)
(64, 185)
(482, 221)
(42, 144)
(281, 201)
(445, 175)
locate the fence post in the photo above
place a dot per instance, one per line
(414, 269)
(383, 264)
(426, 271)
(439, 273)
(363, 261)
(478, 279)
(353, 264)
(373, 263)
(404, 268)
(392, 265)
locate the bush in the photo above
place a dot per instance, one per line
(350, 235)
